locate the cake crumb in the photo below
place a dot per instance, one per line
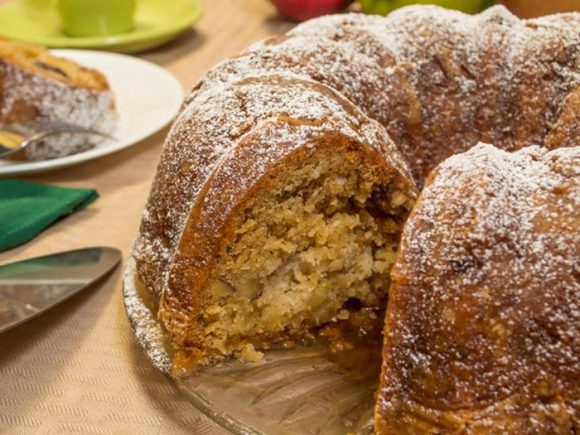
(250, 354)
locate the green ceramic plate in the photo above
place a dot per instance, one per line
(157, 22)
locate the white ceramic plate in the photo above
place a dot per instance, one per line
(147, 97)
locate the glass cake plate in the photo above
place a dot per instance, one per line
(297, 391)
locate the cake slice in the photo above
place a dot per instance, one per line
(34, 85)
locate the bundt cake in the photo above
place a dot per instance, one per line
(483, 328)
(284, 184)
(34, 85)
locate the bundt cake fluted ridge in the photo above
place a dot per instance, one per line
(438, 80)
(483, 328)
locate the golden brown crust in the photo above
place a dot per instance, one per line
(213, 124)
(482, 330)
(566, 129)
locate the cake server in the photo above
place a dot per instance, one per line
(29, 288)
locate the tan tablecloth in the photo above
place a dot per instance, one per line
(77, 369)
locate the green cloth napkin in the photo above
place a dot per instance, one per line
(26, 209)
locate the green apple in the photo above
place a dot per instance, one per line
(383, 7)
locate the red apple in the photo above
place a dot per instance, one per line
(300, 10)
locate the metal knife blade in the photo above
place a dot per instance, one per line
(29, 288)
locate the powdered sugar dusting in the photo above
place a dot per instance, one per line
(489, 262)
(488, 77)
(147, 330)
(510, 193)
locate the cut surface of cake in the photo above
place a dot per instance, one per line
(311, 247)
(35, 85)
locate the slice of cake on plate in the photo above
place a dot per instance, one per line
(35, 85)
